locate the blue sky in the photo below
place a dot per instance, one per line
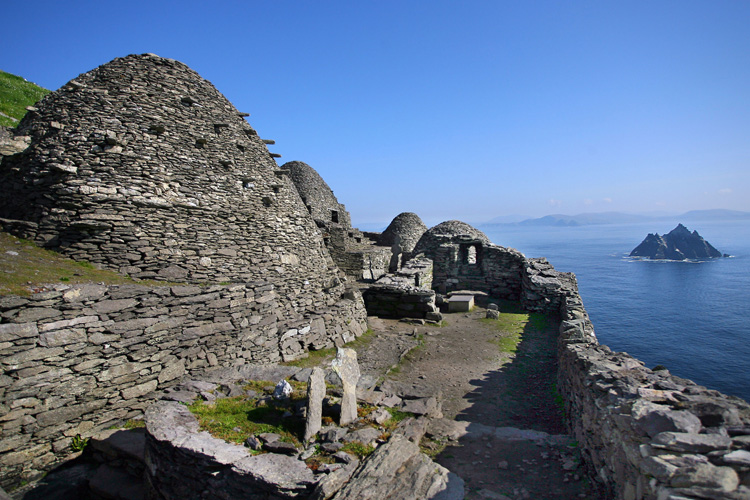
(453, 110)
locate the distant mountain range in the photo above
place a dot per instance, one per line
(587, 219)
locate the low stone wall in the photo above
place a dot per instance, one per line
(367, 263)
(79, 359)
(401, 301)
(645, 434)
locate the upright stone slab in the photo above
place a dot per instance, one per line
(316, 391)
(346, 366)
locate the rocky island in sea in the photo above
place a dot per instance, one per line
(678, 244)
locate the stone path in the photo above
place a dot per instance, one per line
(513, 445)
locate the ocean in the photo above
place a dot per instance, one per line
(691, 317)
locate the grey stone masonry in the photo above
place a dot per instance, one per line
(645, 434)
(143, 167)
(402, 235)
(406, 293)
(317, 196)
(78, 359)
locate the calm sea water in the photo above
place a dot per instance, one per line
(693, 318)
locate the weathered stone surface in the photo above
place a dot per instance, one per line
(316, 391)
(277, 473)
(346, 367)
(281, 447)
(654, 418)
(691, 443)
(722, 479)
(172, 371)
(397, 470)
(423, 406)
(282, 390)
(11, 331)
(60, 338)
(367, 435)
(82, 293)
(737, 457)
(139, 390)
(333, 481)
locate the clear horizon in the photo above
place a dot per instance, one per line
(469, 111)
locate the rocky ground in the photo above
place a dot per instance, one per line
(515, 447)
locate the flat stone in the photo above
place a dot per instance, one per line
(139, 390)
(652, 419)
(282, 473)
(691, 443)
(111, 306)
(422, 406)
(738, 457)
(9, 332)
(37, 314)
(83, 293)
(281, 447)
(368, 435)
(332, 433)
(706, 476)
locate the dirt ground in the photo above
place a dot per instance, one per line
(493, 390)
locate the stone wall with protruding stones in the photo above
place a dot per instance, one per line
(78, 359)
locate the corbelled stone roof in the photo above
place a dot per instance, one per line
(446, 232)
(317, 195)
(142, 166)
(406, 228)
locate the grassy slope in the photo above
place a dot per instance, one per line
(15, 94)
(24, 267)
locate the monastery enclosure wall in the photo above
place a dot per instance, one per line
(82, 358)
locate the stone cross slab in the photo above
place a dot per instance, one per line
(346, 367)
(316, 391)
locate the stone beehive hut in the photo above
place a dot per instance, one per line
(142, 166)
(354, 253)
(449, 232)
(402, 235)
(317, 196)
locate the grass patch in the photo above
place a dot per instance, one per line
(358, 449)
(512, 325)
(15, 94)
(397, 416)
(134, 424)
(24, 267)
(234, 419)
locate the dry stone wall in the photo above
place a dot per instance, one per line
(643, 434)
(78, 359)
(646, 434)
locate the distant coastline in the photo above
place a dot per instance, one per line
(587, 219)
